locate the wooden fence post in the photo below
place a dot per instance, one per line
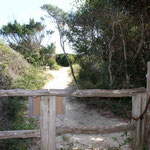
(138, 107)
(47, 123)
(147, 127)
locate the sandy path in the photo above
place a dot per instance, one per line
(77, 115)
(61, 79)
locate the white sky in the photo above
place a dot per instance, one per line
(22, 10)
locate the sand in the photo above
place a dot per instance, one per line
(79, 115)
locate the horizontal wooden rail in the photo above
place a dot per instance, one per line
(42, 92)
(95, 130)
(75, 93)
(19, 134)
(66, 130)
(108, 93)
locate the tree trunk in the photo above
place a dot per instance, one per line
(110, 57)
(125, 55)
(70, 65)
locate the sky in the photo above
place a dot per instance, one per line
(23, 10)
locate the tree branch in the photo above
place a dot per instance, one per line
(142, 40)
(125, 54)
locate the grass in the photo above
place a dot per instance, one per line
(30, 79)
(76, 69)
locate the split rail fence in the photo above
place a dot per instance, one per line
(48, 131)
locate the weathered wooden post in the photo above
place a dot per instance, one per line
(141, 137)
(138, 107)
(147, 127)
(47, 123)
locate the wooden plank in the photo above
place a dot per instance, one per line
(66, 130)
(42, 92)
(138, 106)
(108, 93)
(147, 122)
(30, 106)
(64, 105)
(19, 134)
(59, 105)
(76, 93)
(94, 130)
(47, 123)
(36, 106)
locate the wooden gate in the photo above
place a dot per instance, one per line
(139, 126)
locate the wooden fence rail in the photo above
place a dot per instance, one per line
(65, 130)
(48, 131)
(74, 93)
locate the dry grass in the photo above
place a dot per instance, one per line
(12, 65)
(76, 69)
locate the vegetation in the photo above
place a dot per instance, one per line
(16, 72)
(111, 40)
(59, 17)
(112, 44)
(27, 40)
(61, 59)
(107, 43)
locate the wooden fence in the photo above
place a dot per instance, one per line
(139, 126)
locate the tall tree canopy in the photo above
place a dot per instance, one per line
(27, 39)
(112, 42)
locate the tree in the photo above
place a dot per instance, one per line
(111, 42)
(26, 39)
(59, 17)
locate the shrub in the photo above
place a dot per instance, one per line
(16, 72)
(30, 79)
(51, 63)
(61, 59)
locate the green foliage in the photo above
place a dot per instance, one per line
(118, 106)
(133, 7)
(30, 79)
(111, 40)
(76, 69)
(19, 123)
(27, 40)
(56, 13)
(16, 73)
(3, 51)
(48, 56)
(51, 63)
(101, 33)
(61, 59)
(13, 144)
(58, 16)
(15, 107)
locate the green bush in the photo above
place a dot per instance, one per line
(16, 72)
(93, 75)
(13, 144)
(15, 108)
(51, 63)
(61, 59)
(30, 79)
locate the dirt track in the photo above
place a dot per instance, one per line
(78, 115)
